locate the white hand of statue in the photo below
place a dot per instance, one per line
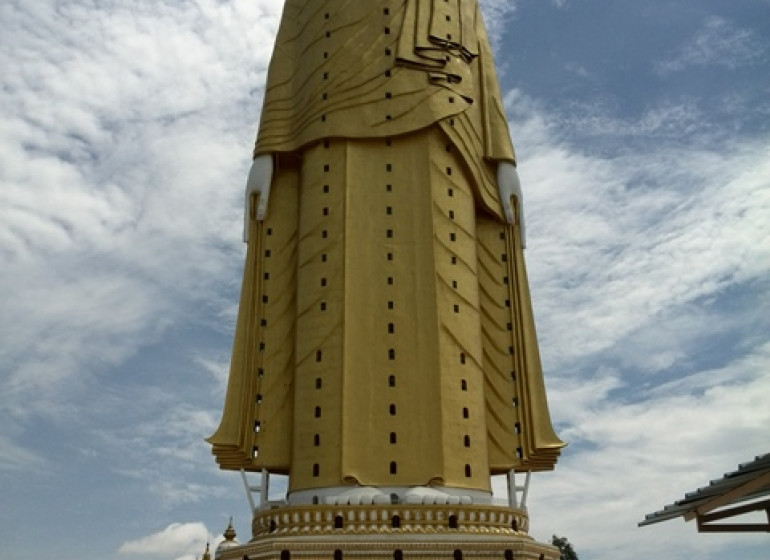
(510, 187)
(258, 183)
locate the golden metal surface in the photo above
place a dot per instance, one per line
(385, 335)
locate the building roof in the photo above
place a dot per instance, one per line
(721, 498)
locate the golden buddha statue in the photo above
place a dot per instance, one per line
(385, 336)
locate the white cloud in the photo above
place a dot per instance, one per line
(632, 252)
(717, 43)
(162, 452)
(107, 111)
(626, 239)
(180, 541)
(631, 459)
(496, 14)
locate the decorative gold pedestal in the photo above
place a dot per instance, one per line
(394, 532)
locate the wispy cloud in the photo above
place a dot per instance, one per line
(718, 43)
(162, 450)
(496, 14)
(644, 257)
(15, 458)
(104, 207)
(623, 239)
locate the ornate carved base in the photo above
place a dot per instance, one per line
(395, 532)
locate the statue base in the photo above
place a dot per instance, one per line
(393, 532)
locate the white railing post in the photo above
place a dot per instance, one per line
(263, 490)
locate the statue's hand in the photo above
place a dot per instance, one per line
(258, 183)
(510, 188)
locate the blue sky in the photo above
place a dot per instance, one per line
(126, 126)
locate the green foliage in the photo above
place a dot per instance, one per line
(565, 548)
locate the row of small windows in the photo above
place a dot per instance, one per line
(260, 371)
(398, 554)
(393, 465)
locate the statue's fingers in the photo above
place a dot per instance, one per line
(261, 206)
(508, 209)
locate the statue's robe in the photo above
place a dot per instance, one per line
(385, 333)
